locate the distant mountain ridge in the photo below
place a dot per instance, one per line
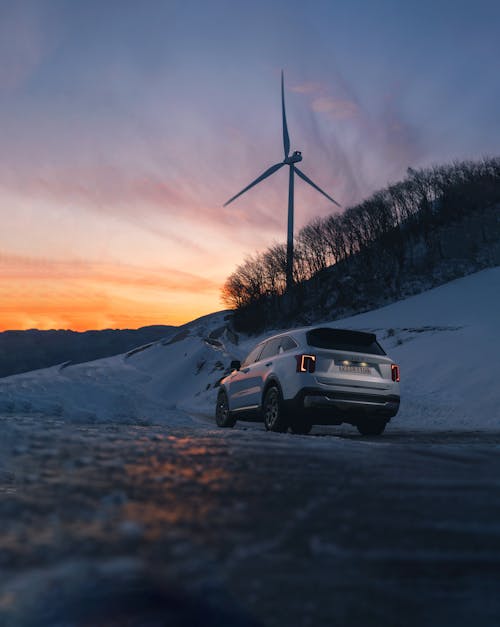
(22, 351)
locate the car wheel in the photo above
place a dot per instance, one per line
(223, 416)
(300, 425)
(272, 410)
(372, 426)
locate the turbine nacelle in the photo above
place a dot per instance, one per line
(294, 158)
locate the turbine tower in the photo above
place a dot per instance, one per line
(289, 160)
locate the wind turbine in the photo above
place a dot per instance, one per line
(289, 160)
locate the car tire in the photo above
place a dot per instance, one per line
(223, 417)
(272, 411)
(372, 426)
(300, 425)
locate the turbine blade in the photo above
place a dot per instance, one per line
(286, 138)
(260, 178)
(308, 180)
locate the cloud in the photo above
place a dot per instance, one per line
(337, 108)
(18, 267)
(102, 186)
(147, 200)
(322, 101)
(356, 146)
(306, 88)
(25, 40)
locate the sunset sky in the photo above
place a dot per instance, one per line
(125, 126)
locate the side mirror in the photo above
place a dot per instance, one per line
(235, 364)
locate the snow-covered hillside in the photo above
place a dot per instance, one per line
(446, 340)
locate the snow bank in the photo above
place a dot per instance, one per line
(446, 340)
(142, 386)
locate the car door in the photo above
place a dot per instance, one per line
(244, 384)
(262, 368)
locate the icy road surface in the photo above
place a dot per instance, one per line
(193, 525)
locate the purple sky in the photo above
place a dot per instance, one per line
(125, 126)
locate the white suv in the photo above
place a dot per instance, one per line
(316, 375)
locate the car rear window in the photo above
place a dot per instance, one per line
(341, 339)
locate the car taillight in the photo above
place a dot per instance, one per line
(306, 363)
(395, 373)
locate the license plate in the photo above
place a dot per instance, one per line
(355, 369)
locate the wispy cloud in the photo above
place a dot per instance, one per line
(306, 88)
(323, 101)
(138, 196)
(336, 107)
(26, 37)
(164, 278)
(365, 144)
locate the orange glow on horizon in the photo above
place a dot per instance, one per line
(81, 297)
(86, 315)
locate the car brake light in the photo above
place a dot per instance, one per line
(395, 373)
(306, 363)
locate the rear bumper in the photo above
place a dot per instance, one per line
(334, 407)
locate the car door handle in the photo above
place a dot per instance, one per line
(269, 363)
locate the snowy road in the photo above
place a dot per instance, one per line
(269, 529)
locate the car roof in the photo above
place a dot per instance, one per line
(303, 330)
